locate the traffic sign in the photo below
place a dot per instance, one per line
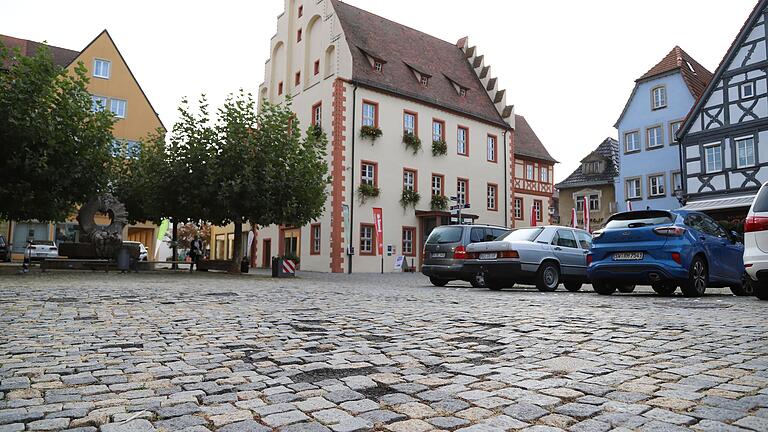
(453, 198)
(460, 206)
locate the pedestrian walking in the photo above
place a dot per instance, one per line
(195, 253)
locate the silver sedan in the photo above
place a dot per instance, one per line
(544, 256)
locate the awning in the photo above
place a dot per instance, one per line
(720, 203)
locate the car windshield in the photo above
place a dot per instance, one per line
(639, 219)
(446, 234)
(522, 234)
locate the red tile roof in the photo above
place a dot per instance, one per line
(527, 144)
(695, 75)
(404, 50)
(61, 56)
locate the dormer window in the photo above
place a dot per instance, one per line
(592, 167)
(377, 66)
(424, 80)
(462, 92)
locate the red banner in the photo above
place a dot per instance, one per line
(378, 221)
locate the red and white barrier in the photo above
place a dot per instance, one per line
(289, 267)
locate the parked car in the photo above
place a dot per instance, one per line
(545, 256)
(5, 250)
(756, 245)
(41, 249)
(446, 250)
(665, 249)
(142, 249)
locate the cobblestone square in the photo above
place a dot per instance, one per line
(173, 352)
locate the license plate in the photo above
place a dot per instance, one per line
(628, 256)
(487, 256)
(438, 255)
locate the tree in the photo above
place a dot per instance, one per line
(56, 151)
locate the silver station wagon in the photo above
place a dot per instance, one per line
(544, 256)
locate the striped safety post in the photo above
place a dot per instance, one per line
(289, 268)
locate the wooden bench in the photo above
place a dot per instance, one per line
(77, 264)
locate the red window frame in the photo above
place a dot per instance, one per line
(442, 129)
(314, 117)
(540, 216)
(415, 121)
(412, 229)
(312, 250)
(442, 184)
(373, 239)
(298, 36)
(522, 209)
(297, 78)
(466, 188)
(375, 171)
(533, 171)
(495, 187)
(375, 111)
(466, 145)
(415, 178)
(317, 67)
(495, 148)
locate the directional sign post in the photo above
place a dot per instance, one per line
(458, 207)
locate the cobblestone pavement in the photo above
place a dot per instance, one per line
(201, 352)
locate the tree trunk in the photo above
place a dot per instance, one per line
(254, 247)
(174, 244)
(237, 254)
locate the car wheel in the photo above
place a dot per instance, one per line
(665, 289)
(626, 289)
(745, 288)
(761, 290)
(572, 286)
(495, 286)
(603, 288)
(478, 281)
(548, 277)
(698, 279)
(438, 282)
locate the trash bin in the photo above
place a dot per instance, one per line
(276, 264)
(124, 259)
(245, 265)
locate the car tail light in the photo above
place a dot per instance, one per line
(597, 234)
(756, 223)
(509, 254)
(676, 257)
(670, 231)
(460, 252)
(747, 265)
(589, 259)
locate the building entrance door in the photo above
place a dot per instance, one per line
(266, 253)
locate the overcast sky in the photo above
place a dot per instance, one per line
(568, 66)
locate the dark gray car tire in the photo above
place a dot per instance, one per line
(625, 289)
(572, 286)
(698, 279)
(548, 277)
(603, 288)
(664, 289)
(438, 282)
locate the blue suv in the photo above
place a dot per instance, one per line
(665, 249)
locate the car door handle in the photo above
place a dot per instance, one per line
(557, 248)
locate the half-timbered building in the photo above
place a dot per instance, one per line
(533, 178)
(725, 137)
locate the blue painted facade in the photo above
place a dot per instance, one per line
(661, 162)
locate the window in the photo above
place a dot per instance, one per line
(713, 157)
(315, 228)
(301, 11)
(677, 181)
(632, 142)
(424, 80)
(659, 97)
(409, 179)
(409, 122)
(462, 141)
(565, 238)
(279, 88)
(654, 137)
(519, 208)
(529, 172)
(745, 152)
(370, 114)
(462, 190)
(673, 128)
(317, 114)
(585, 240)
(592, 167)
(366, 239)
(377, 66)
(316, 69)
(656, 185)
(409, 234)
(117, 106)
(98, 103)
(298, 36)
(491, 152)
(537, 210)
(438, 130)
(297, 78)
(368, 173)
(544, 176)
(634, 189)
(437, 184)
(747, 90)
(594, 202)
(102, 68)
(462, 91)
(491, 197)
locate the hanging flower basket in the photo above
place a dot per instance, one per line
(439, 202)
(366, 191)
(439, 148)
(412, 142)
(370, 132)
(409, 198)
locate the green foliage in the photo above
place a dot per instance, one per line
(439, 202)
(315, 130)
(56, 152)
(409, 198)
(439, 148)
(365, 191)
(371, 132)
(412, 142)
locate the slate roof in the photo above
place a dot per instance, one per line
(61, 56)
(695, 75)
(527, 144)
(609, 150)
(405, 49)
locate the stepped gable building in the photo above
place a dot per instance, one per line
(593, 179)
(725, 137)
(113, 87)
(649, 157)
(379, 89)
